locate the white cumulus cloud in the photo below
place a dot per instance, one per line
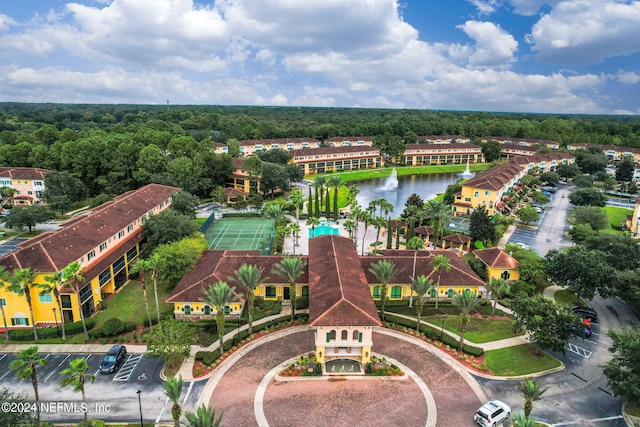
(494, 46)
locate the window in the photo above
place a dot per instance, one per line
(104, 277)
(475, 194)
(45, 298)
(207, 310)
(19, 321)
(357, 335)
(486, 193)
(396, 292)
(376, 292)
(120, 234)
(85, 293)
(344, 335)
(433, 293)
(3, 302)
(450, 293)
(227, 310)
(129, 228)
(91, 255)
(305, 292)
(332, 334)
(270, 291)
(187, 310)
(103, 246)
(505, 275)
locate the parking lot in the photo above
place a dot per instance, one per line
(10, 246)
(111, 397)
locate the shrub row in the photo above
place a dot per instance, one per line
(434, 334)
(50, 332)
(113, 327)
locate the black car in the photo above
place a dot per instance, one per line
(113, 359)
(585, 312)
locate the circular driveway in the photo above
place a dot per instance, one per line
(363, 401)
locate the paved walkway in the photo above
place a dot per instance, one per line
(550, 291)
(506, 236)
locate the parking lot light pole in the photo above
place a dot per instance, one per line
(139, 392)
(442, 331)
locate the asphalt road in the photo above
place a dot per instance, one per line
(112, 397)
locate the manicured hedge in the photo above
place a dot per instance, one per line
(51, 332)
(434, 334)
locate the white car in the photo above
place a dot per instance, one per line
(492, 413)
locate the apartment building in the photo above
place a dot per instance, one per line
(443, 153)
(443, 139)
(349, 141)
(333, 159)
(250, 147)
(490, 188)
(27, 183)
(527, 142)
(615, 153)
(103, 241)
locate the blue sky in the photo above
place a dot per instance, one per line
(547, 56)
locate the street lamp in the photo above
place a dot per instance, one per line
(442, 331)
(139, 392)
(56, 320)
(238, 333)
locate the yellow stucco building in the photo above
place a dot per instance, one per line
(103, 242)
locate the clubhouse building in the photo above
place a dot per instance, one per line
(338, 283)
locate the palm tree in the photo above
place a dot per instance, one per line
(295, 233)
(141, 267)
(439, 211)
(420, 285)
(415, 244)
(439, 263)
(466, 302)
(320, 182)
(53, 285)
(204, 417)
(353, 192)
(219, 296)
(297, 199)
(384, 271)
(26, 367)
(173, 390)
(274, 211)
(349, 225)
(335, 181)
(379, 222)
(366, 219)
(4, 279)
(498, 287)
(522, 420)
(313, 221)
(531, 391)
(72, 275)
(21, 284)
(385, 207)
(154, 265)
(249, 276)
(290, 269)
(75, 376)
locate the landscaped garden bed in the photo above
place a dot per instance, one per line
(305, 366)
(382, 368)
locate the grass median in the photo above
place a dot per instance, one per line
(519, 360)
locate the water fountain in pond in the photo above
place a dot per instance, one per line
(390, 183)
(343, 367)
(467, 173)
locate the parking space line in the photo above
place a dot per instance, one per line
(579, 351)
(162, 411)
(5, 374)
(186, 396)
(3, 356)
(60, 364)
(128, 367)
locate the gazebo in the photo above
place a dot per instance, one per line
(456, 239)
(424, 232)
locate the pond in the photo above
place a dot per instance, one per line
(426, 186)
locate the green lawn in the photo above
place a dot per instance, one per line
(519, 360)
(478, 330)
(128, 304)
(567, 298)
(616, 216)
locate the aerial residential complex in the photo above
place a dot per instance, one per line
(103, 241)
(615, 153)
(27, 183)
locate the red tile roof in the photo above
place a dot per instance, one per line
(496, 177)
(222, 265)
(339, 294)
(457, 238)
(496, 258)
(23, 173)
(54, 251)
(423, 230)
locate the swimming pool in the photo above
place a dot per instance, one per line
(323, 229)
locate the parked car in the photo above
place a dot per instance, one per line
(113, 360)
(585, 312)
(492, 413)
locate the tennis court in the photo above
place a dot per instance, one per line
(241, 234)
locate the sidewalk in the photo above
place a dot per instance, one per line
(506, 236)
